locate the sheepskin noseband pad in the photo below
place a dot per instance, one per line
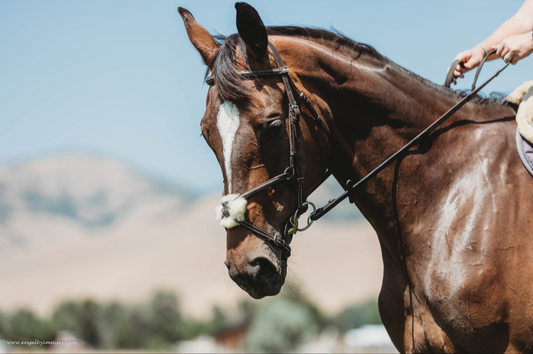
(231, 211)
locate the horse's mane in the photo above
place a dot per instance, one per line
(228, 80)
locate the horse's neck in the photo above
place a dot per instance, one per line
(373, 114)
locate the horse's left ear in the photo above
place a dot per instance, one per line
(252, 30)
(200, 38)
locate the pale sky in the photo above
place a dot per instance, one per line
(119, 78)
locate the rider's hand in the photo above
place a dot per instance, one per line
(516, 47)
(471, 58)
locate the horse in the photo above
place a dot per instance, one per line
(452, 214)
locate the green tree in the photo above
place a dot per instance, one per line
(166, 317)
(46, 331)
(23, 325)
(83, 318)
(357, 316)
(3, 325)
(281, 325)
(66, 316)
(294, 293)
(155, 325)
(116, 331)
(140, 327)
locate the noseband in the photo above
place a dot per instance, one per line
(292, 172)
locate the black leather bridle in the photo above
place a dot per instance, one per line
(292, 172)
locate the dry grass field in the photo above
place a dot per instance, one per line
(155, 240)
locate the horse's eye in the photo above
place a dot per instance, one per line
(274, 128)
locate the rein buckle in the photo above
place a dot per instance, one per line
(294, 219)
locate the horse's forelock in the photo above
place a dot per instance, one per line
(228, 80)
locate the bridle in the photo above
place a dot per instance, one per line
(292, 172)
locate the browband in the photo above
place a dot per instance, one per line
(252, 74)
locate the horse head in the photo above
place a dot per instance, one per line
(256, 139)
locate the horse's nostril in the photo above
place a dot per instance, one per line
(262, 270)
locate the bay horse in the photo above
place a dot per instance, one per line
(454, 214)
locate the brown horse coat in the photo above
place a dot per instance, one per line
(453, 215)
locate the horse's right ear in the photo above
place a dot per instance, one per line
(251, 29)
(199, 37)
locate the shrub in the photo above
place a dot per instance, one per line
(357, 315)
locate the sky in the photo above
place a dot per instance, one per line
(120, 80)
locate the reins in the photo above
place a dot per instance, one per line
(292, 172)
(350, 188)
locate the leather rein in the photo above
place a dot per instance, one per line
(292, 172)
(351, 187)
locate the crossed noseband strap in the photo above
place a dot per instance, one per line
(231, 212)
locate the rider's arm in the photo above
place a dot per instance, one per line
(520, 23)
(512, 37)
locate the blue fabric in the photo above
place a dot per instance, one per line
(525, 150)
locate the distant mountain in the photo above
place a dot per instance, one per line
(78, 226)
(59, 198)
(74, 194)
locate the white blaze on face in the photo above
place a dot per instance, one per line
(227, 124)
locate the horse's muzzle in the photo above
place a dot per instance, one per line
(259, 278)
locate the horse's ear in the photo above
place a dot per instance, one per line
(251, 29)
(199, 37)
